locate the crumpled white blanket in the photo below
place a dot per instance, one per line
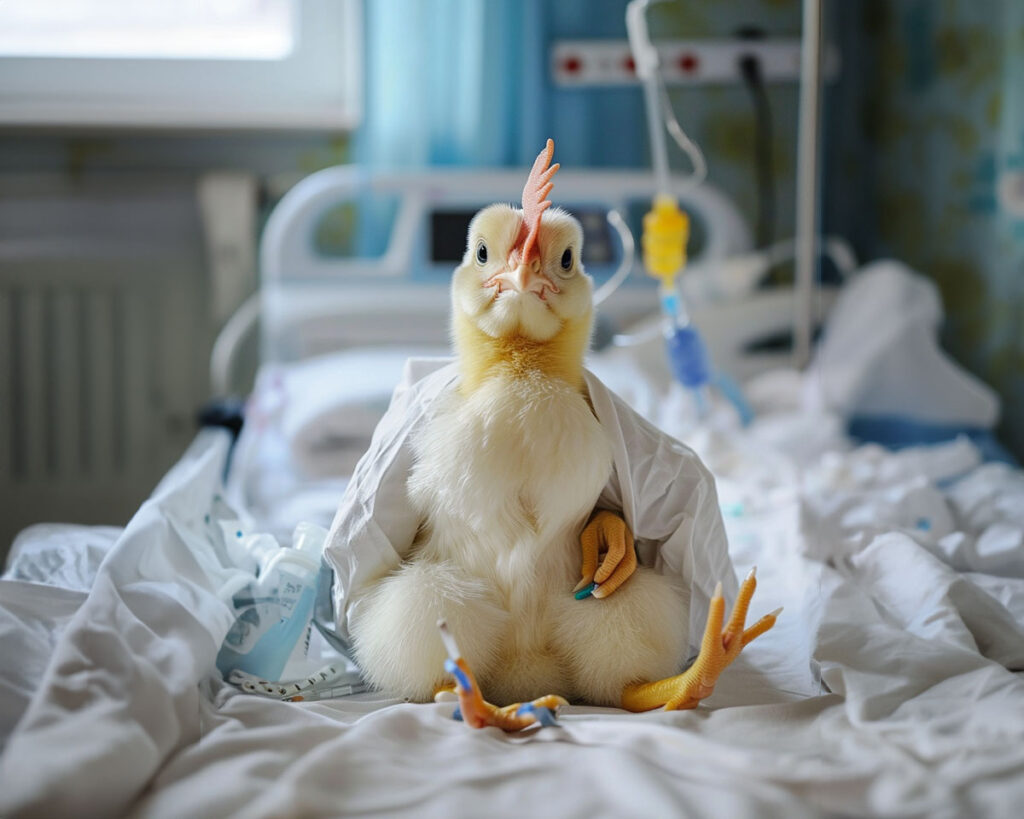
(49, 572)
(891, 685)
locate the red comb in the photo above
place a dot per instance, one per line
(535, 201)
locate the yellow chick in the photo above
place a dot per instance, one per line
(508, 471)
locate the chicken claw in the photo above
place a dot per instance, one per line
(608, 531)
(718, 649)
(476, 712)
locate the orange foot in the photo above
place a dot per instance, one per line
(476, 712)
(718, 650)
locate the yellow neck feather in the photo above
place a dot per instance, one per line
(482, 356)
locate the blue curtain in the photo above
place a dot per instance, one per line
(465, 82)
(449, 82)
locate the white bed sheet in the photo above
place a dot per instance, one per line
(891, 685)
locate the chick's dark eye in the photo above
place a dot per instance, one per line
(567, 259)
(481, 253)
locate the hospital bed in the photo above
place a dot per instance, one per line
(891, 685)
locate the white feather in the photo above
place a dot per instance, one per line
(505, 478)
(506, 474)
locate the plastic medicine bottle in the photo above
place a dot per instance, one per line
(274, 611)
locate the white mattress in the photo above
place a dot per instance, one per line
(891, 685)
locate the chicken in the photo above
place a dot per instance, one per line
(507, 473)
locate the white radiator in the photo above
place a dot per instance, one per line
(103, 342)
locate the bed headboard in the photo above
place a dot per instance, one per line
(393, 289)
(399, 294)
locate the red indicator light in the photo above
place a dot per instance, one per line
(571, 65)
(689, 63)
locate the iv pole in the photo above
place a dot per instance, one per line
(807, 180)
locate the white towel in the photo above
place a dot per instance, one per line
(880, 354)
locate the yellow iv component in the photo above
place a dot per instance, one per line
(666, 232)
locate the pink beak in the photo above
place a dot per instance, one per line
(523, 278)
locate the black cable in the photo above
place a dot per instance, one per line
(750, 69)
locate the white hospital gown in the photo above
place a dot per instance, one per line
(663, 491)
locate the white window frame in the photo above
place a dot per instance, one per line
(316, 87)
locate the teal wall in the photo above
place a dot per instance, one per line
(924, 129)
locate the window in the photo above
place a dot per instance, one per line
(291, 64)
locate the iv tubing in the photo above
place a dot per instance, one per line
(645, 56)
(657, 103)
(659, 151)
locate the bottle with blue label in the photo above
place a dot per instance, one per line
(274, 610)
